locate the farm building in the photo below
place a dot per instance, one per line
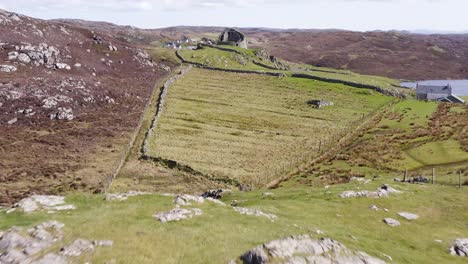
(232, 37)
(441, 93)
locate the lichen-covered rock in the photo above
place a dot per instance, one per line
(304, 249)
(177, 214)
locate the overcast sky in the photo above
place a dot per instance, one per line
(362, 15)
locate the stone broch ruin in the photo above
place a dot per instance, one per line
(232, 37)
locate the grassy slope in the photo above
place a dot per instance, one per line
(249, 126)
(414, 135)
(221, 234)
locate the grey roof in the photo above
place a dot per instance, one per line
(436, 89)
(452, 99)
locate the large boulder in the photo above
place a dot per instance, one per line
(460, 247)
(304, 249)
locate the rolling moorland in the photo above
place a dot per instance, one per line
(162, 124)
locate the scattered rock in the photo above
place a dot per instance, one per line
(62, 66)
(374, 207)
(7, 68)
(77, 248)
(177, 214)
(267, 194)
(112, 47)
(460, 247)
(408, 216)
(185, 199)
(391, 222)
(77, 65)
(255, 212)
(304, 249)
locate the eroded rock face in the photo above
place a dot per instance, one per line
(177, 214)
(460, 247)
(304, 249)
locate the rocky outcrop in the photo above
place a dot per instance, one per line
(19, 247)
(460, 247)
(383, 191)
(304, 249)
(186, 199)
(42, 54)
(177, 214)
(7, 68)
(50, 203)
(63, 113)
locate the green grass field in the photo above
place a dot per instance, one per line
(253, 127)
(221, 234)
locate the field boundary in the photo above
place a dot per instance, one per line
(343, 141)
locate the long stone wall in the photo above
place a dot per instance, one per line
(160, 106)
(352, 84)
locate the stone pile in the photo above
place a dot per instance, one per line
(383, 191)
(304, 249)
(51, 203)
(41, 54)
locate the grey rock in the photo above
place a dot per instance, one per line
(12, 121)
(408, 216)
(460, 247)
(391, 222)
(123, 196)
(177, 214)
(185, 199)
(7, 68)
(38, 202)
(63, 113)
(62, 66)
(304, 249)
(374, 207)
(23, 58)
(13, 55)
(383, 191)
(77, 248)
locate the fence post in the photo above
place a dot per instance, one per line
(406, 175)
(459, 179)
(433, 175)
